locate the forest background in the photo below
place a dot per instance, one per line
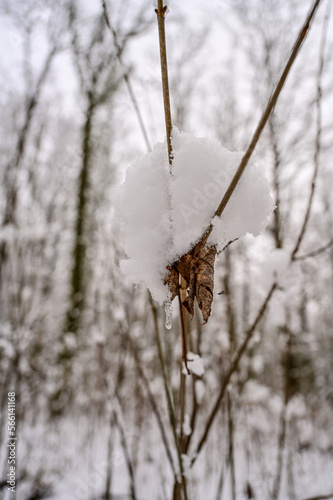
(78, 342)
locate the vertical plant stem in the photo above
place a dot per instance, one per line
(160, 11)
(231, 446)
(183, 366)
(172, 417)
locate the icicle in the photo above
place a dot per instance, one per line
(168, 314)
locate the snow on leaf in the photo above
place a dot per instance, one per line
(164, 215)
(198, 272)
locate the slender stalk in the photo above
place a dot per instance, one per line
(161, 358)
(181, 445)
(281, 445)
(231, 446)
(115, 408)
(172, 417)
(153, 405)
(262, 122)
(12, 168)
(160, 11)
(232, 369)
(314, 252)
(320, 497)
(126, 77)
(183, 365)
(319, 129)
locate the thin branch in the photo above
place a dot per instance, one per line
(314, 252)
(261, 125)
(153, 404)
(232, 369)
(11, 171)
(320, 497)
(282, 427)
(183, 364)
(126, 77)
(160, 355)
(171, 411)
(319, 130)
(181, 445)
(160, 11)
(117, 421)
(227, 245)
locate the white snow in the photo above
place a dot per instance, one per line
(200, 390)
(275, 267)
(195, 364)
(164, 214)
(186, 425)
(186, 462)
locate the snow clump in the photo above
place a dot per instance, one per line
(163, 215)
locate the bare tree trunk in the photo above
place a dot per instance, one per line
(77, 281)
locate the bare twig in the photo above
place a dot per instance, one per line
(11, 171)
(282, 429)
(160, 11)
(181, 445)
(117, 421)
(126, 77)
(319, 130)
(153, 404)
(231, 452)
(227, 245)
(261, 125)
(320, 497)
(171, 411)
(161, 358)
(314, 252)
(232, 369)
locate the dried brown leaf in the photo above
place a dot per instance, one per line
(197, 269)
(205, 280)
(172, 280)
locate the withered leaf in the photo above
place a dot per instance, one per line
(172, 280)
(205, 280)
(183, 266)
(197, 269)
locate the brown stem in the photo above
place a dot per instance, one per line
(261, 125)
(112, 393)
(232, 369)
(152, 403)
(172, 417)
(182, 392)
(314, 252)
(320, 497)
(319, 130)
(160, 11)
(126, 77)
